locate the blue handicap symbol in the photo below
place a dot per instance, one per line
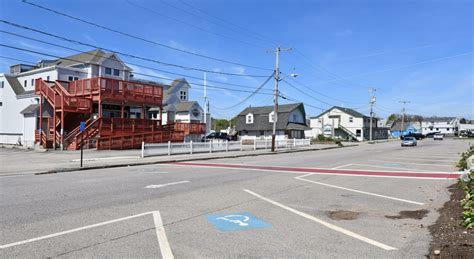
(82, 126)
(237, 221)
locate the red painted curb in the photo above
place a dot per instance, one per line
(328, 171)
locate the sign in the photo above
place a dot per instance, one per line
(237, 221)
(82, 126)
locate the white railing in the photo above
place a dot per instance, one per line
(151, 149)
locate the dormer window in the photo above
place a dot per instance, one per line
(183, 95)
(108, 71)
(271, 117)
(249, 118)
(116, 72)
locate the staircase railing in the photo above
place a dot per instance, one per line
(350, 133)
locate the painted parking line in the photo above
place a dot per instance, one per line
(351, 172)
(423, 159)
(410, 163)
(324, 223)
(301, 178)
(161, 235)
(341, 166)
(398, 168)
(154, 186)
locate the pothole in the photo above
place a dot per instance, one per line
(343, 215)
(409, 214)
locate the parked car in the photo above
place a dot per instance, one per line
(409, 141)
(216, 135)
(431, 134)
(438, 136)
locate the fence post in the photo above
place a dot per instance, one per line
(266, 143)
(169, 148)
(191, 147)
(294, 142)
(143, 149)
(227, 146)
(210, 146)
(241, 144)
(255, 144)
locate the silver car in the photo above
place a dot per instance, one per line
(409, 141)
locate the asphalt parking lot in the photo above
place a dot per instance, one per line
(366, 201)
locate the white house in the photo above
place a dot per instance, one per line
(19, 105)
(345, 123)
(444, 125)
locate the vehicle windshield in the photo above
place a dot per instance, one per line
(409, 138)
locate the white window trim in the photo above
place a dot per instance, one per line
(247, 121)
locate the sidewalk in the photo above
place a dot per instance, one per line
(20, 161)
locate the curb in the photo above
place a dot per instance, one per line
(65, 170)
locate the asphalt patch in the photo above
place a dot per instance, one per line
(409, 214)
(343, 215)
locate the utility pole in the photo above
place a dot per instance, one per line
(372, 101)
(205, 102)
(275, 100)
(403, 116)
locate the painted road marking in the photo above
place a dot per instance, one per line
(156, 216)
(357, 191)
(410, 163)
(237, 221)
(424, 159)
(341, 166)
(324, 223)
(165, 248)
(396, 174)
(154, 186)
(399, 169)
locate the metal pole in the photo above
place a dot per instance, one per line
(205, 104)
(275, 100)
(372, 101)
(403, 116)
(82, 145)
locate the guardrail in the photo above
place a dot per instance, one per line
(150, 149)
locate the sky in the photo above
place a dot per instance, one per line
(417, 51)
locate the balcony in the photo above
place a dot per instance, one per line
(190, 128)
(100, 88)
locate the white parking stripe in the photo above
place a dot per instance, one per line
(409, 163)
(357, 191)
(324, 223)
(341, 166)
(160, 233)
(72, 230)
(165, 248)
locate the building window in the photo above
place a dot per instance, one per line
(358, 133)
(2, 84)
(351, 119)
(295, 117)
(1, 104)
(24, 83)
(116, 72)
(47, 78)
(108, 71)
(437, 129)
(32, 82)
(447, 129)
(182, 95)
(72, 78)
(249, 118)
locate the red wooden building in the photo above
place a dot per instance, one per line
(115, 112)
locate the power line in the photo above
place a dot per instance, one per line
(188, 24)
(250, 95)
(140, 38)
(129, 63)
(306, 94)
(143, 74)
(249, 32)
(123, 53)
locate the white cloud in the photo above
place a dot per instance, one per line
(344, 33)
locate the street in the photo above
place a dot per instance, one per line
(367, 201)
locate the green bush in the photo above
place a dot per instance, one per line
(462, 164)
(467, 183)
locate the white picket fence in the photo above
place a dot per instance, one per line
(151, 149)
